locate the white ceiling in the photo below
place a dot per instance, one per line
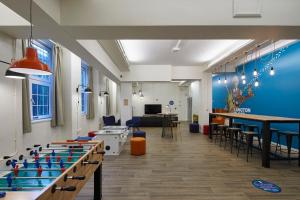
(192, 53)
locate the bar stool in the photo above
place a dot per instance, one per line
(237, 125)
(249, 135)
(213, 127)
(233, 133)
(167, 125)
(222, 130)
(289, 140)
(177, 125)
(252, 128)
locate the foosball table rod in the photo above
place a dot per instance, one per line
(20, 188)
(29, 177)
(32, 169)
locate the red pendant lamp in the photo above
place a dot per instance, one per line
(30, 64)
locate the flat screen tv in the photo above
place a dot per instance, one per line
(152, 108)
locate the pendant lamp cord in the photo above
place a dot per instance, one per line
(2, 61)
(30, 19)
(244, 63)
(255, 58)
(225, 71)
(273, 51)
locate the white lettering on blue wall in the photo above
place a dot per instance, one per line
(242, 110)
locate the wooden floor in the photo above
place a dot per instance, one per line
(191, 168)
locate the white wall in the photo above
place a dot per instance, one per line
(42, 133)
(195, 94)
(162, 93)
(148, 73)
(114, 97)
(201, 93)
(126, 110)
(187, 72)
(10, 102)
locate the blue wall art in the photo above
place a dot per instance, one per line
(277, 95)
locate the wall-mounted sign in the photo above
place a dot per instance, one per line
(242, 110)
(125, 102)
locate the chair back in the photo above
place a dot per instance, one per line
(109, 120)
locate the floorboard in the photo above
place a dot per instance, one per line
(191, 168)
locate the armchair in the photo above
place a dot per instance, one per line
(111, 121)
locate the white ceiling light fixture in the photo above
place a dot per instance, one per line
(177, 47)
(256, 83)
(225, 79)
(255, 73)
(219, 74)
(243, 73)
(272, 71)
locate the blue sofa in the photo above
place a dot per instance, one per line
(111, 121)
(135, 122)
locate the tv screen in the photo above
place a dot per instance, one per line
(152, 108)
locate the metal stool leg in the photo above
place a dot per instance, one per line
(249, 139)
(289, 139)
(239, 145)
(278, 143)
(231, 141)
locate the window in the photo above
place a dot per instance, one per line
(41, 86)
(84, 84)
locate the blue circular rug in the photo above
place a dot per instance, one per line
(266, 186)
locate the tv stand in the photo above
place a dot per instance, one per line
(152, 120)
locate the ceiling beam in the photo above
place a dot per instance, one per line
(184, 32)
(158, 13)
(112, 48)
(47, 27)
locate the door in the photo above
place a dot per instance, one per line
(189, 110)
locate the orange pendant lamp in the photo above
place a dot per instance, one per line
(30, 64)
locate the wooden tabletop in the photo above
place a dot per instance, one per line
(257, 117)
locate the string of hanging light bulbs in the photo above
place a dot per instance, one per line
(256, 52)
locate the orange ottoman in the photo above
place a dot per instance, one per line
(138, 146)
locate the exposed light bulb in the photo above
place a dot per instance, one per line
(272, 71)
(225, 81)
(140, 92)
(243, 76)
(255, 72)
(256, 83)
(219, 81)
(244, 81)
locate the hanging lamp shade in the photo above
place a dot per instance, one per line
(88, 90)
(105, 93)
(15, 75)
(30, 64)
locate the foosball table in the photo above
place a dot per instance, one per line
(57, 171)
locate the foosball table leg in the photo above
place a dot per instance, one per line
(98, 183)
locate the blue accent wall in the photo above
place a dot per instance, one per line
(277, 95)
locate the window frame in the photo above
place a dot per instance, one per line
(39, 80)
(84, 84)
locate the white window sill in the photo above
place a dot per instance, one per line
(40, 120)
